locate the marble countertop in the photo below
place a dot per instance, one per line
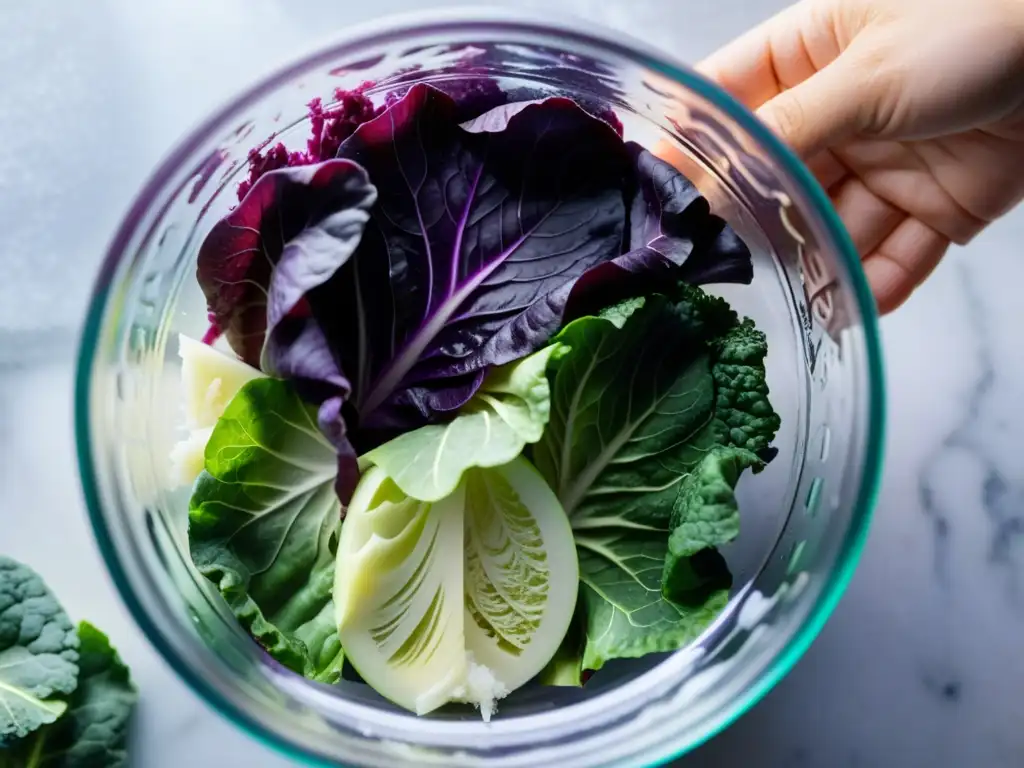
(919, 666)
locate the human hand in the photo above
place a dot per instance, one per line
(909, 112)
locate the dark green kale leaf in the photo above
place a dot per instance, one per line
(659, 406)
(38, 653)
(93, 733)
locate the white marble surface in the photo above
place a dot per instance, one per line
(919, 665)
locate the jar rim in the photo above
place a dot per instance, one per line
(568, 33)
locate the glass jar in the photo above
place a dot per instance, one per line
(804, 518)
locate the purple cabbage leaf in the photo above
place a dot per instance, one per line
(291, 232)
(672, 236)
(472, 248)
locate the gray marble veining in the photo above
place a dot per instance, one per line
(919, 666)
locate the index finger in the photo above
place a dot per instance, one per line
(766, 60)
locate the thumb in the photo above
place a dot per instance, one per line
(828, 107)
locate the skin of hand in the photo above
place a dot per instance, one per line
(909, 112)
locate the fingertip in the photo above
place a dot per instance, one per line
(803, 120)
(743, 67)
(822, 111)
(707, 68)
(869, 219)
(827, 169)
(902, 262)
(889, 283)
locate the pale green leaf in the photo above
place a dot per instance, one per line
(398, 593)
(509, 412)
(617, 314)
(506, 563)
(566, 666)
(521, 571)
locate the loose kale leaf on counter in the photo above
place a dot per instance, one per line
(264, 522)
(38, 653)
(65, 696)
(93, 733)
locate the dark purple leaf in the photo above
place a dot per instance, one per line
(673, 236)
(472, 248)
(474, 93)
(297, 224)
(719, 256)
(669, 216)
